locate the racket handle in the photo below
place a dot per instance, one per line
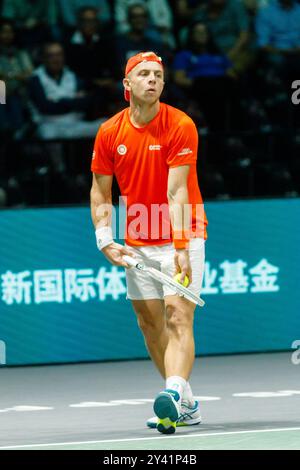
(129, 260)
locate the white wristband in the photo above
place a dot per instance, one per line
(104, 237)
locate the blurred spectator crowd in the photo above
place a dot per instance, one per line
(229, 64)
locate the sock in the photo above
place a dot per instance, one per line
(176, 383)
(187, 395)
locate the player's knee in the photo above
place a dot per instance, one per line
(178, 320)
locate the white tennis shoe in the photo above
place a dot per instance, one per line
(189, 416)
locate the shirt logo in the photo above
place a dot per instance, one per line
(185, 151)
(155, 147)
(122, 149)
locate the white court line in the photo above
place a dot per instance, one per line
(189, 436)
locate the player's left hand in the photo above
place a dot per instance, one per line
(183, 264)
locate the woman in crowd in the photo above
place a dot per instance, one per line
(206, 75)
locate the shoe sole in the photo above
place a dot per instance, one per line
(179, 424)
(167, 413)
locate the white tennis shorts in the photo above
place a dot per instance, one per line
(140, 286)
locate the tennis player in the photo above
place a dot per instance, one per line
(151, 148)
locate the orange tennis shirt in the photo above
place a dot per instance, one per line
(140, 159)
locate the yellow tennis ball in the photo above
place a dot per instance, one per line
(185, 282)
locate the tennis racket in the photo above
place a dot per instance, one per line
(165, 280)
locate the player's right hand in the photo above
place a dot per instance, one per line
(115, 252)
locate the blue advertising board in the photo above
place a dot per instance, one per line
(61, 301)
